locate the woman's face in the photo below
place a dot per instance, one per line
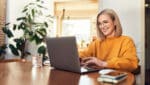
(106, 25)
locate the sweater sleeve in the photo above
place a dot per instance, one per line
(89, 51)
(127, 60)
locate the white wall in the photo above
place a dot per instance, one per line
(131, 14)
(13, 10)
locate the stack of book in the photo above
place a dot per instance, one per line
(113, 76)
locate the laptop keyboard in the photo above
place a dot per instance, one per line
(84, 69)
(88, 68)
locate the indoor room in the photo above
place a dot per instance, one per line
(27, 28)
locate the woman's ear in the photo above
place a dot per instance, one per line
(115, 23)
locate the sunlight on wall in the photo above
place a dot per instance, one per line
(80, 28)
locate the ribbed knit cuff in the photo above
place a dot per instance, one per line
(111, 63)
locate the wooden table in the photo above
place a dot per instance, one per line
(22, 73)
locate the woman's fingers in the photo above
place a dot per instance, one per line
(83, 61)
(89, 61)
(93, 62)
(86, 59)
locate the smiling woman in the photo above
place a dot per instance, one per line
(111, 49)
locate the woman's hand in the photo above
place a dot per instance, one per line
(93, 62)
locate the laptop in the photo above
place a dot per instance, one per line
(63, 55)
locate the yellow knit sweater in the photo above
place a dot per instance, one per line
(118, 52)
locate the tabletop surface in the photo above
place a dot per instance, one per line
(22, 73)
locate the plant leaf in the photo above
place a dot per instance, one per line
(37, 0)
(14, 50)
(7, 32)
(14, 27)
(29, 19)
(23, 25)
(42, 32)
(42, 50)
(38, 40)
(45, 23)
(33, 13)
(19, 43)
(21, 18)
(7, 24)
(24, 10)
(40, 6)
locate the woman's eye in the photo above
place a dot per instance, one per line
(105, 22)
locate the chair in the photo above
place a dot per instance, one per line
(137, 71)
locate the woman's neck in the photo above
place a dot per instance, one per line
(111, 35)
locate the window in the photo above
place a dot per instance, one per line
(80, 28)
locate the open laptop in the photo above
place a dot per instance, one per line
(63, 55)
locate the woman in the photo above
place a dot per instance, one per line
(112, 49)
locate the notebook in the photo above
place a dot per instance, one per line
(63, 55)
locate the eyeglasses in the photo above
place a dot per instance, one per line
(101, 24)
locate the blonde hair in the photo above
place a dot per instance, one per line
(115, 19)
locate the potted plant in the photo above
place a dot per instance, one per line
(33, 24)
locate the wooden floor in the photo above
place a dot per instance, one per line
(147, 77)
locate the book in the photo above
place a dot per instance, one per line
(109, 80)
(112, 76)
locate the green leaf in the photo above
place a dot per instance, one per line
(23, 25)
(26, 6)
(19, 45)
(31, 38)
(33, 13)
(21, 18)
(7, 24)
(19, 26)
(37, 0)
(14, 27)
(7, 32)
(24, 10)
(14, 50)
(37, 39)
(29, 19)
(31, 33)
(19, 40)
(45, 23)
(42, 50)
(40, 6)
(4, 29)
(42, 32)
(31, 4)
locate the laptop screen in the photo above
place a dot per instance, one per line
(63, 53)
